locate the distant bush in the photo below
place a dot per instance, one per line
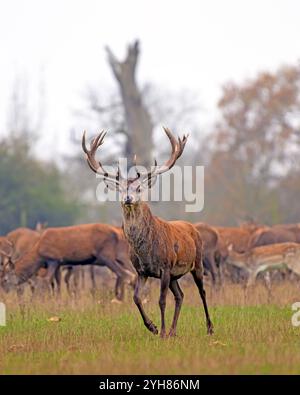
(31, 190)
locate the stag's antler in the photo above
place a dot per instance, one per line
(177, 149)
(95, 165)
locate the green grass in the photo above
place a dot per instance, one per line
(103, 338)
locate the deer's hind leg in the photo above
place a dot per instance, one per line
(178, 296)
(57, 278)
(197, 273)
(209, 264)
(93, 280)
(119, 288)
(105, 258)
(67, 277)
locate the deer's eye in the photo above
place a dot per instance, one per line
(138, 189)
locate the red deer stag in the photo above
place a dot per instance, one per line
(160, 249)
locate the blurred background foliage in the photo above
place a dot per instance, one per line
(31, 190)
(251, 154)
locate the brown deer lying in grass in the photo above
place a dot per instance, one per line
(266, 258)
(76, 245)
(160, 249)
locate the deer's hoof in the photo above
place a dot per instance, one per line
(210, 329)
(152, 328)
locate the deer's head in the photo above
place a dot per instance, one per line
(132, 189)
(41, 226)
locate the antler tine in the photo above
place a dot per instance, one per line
(177, 149)
(171, 137)
(95, 165)
(97, 142)
(182, 143)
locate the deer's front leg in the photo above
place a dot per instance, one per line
(141, 281)
(164, 286)
(119, 289)
(178, 296)
(53, 266)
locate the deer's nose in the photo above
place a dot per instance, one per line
(128, 199)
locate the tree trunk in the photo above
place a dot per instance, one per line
(138, 121)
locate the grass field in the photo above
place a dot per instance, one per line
(98, 337)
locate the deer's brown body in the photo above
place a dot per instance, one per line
(274, 235)
(266, 258)
(238, 237)
(176, 247)
(161, 249)
(23, 240)
(75, 272)
(75, 245)
(211, 241)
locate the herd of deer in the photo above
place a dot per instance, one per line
(147, 246)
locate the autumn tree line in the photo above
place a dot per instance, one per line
(251, 154)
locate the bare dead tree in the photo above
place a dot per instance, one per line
(138, 121)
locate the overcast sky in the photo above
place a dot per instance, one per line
(193, 44)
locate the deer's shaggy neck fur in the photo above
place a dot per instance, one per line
(141, 231)
(138, 224)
